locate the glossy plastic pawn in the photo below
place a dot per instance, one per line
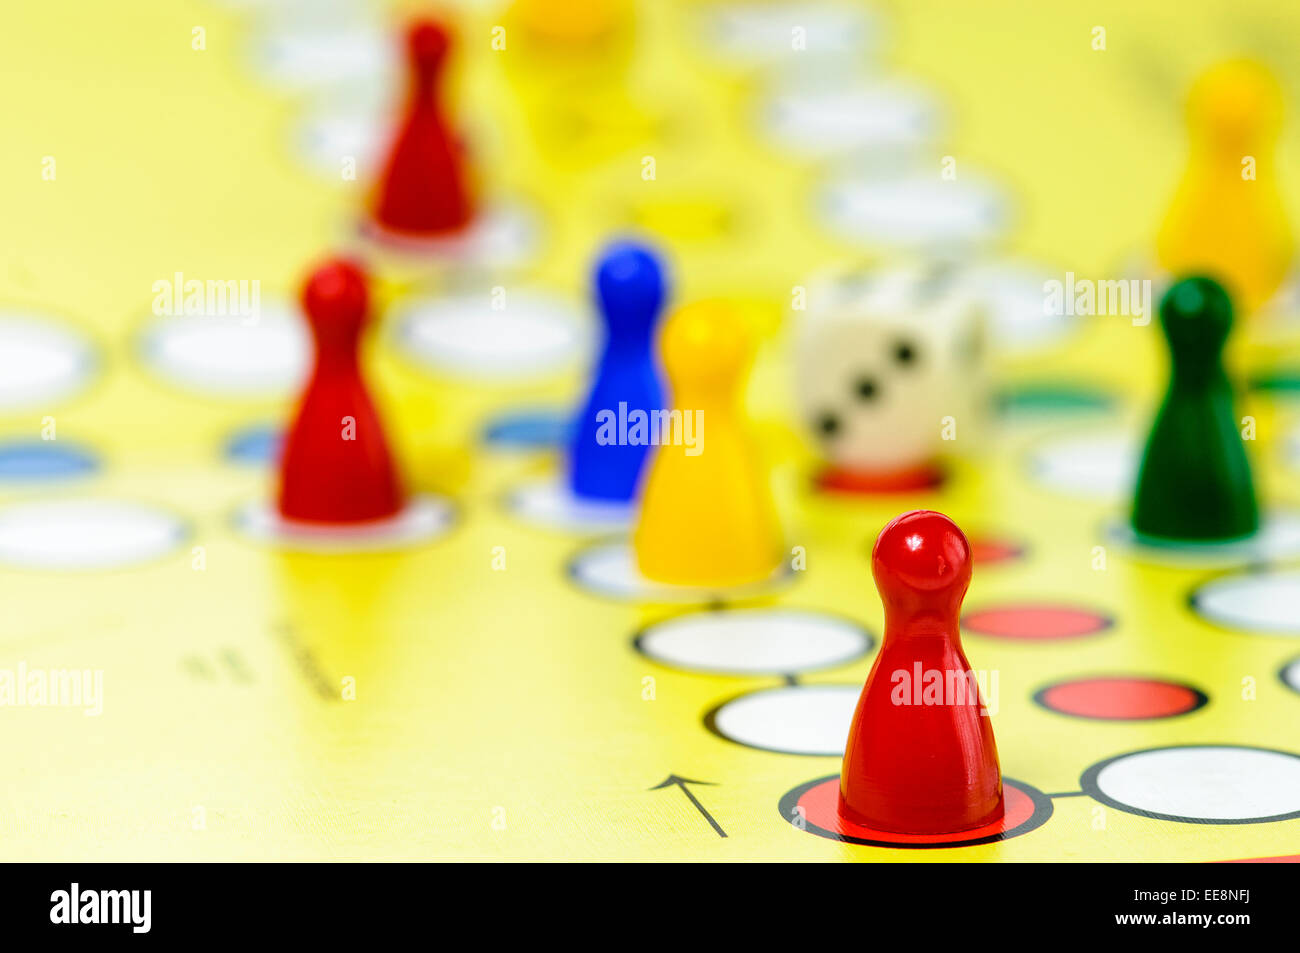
(336, 467)
(920, 757)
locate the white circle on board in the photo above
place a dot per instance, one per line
(263, 355)
(552, 504)
(792, 719)
(1101, 466)
(305, 11)
(40, 362)
(533, 335)
(820, 120)
(1291, 448)
(346, 51)
(85, 534)
(505, 234)
(609, 569)
(754, 642)
(500, 235)
(424, 518)
(1265, 601)
(328, 136)
(915, 211)
(1204, 784)
(1291, 675)
(1278, 538)
(765, 33)
(1017, 305)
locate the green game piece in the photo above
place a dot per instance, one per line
(1194, 484)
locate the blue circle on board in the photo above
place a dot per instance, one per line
(42, 460)
(528, 430)
(257, 445)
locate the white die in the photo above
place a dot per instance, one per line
(889, 366)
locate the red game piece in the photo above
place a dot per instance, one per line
(422, 190)
(336, 467)
(920, 757)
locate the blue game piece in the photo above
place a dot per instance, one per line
(630, 292)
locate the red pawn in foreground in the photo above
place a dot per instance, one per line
(920, 757)
(422, 190)
(336, 467)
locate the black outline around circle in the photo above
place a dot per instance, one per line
(869, 639)
(1021, 550)
(1042, 813)
(1088, 782)
(1250, 569)
(1202, 699)
(711, 722)
(1109, 622)
(1281, 674)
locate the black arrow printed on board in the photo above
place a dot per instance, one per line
(681, 782)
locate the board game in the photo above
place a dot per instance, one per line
(186, 676)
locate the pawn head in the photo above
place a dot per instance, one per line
(335, 297)
(706, 347)
(1235, 104)
(1196, 315)
(427, 43)
(922, 558)
(630, 285)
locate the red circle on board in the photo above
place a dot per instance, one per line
(989, 551)
(819, 807)
(1035, 623)
(1120, 697)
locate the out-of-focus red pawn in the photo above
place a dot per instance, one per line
(422, 189)
(920, 757)
(336, 467)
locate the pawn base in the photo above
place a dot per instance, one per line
(928, 826)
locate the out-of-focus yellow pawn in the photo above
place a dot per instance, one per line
(1227, 219)
(571, 22)
(707, 515)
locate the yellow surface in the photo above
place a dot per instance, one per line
(499, 712)
(575, 24)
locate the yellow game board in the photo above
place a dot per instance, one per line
(481, 685)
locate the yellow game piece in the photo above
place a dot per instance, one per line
(575, 22)
(707, 516)
(1227, 220)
